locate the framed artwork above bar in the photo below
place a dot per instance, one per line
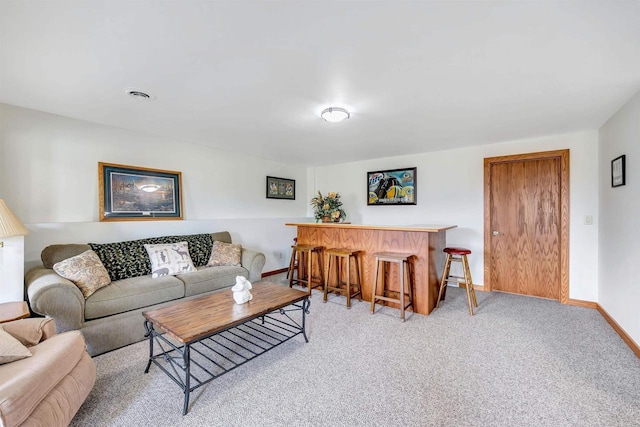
(132, 193)
(392, 187)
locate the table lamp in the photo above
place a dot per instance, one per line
(11, 255)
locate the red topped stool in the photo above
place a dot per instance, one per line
(458, 255)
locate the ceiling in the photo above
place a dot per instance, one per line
(253, 76)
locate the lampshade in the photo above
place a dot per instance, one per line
(335, 114)
(10, 225)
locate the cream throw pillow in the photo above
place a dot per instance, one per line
(11, 349)
(225, 254)
(85, 270)
(170, 259)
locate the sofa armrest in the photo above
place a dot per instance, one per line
(253, 261)
(31, 331)
(54, 296)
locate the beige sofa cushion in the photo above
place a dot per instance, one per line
(56, 253)
(209, 279)
(132, 293)
(25, 383)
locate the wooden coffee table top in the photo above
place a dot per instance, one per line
(190, 320)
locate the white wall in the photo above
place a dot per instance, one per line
(49, 177)
(450, 190)
(619, 282)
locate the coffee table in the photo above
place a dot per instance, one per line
(203, 338)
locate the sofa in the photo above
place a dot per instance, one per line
(111, 317)
(48, 387)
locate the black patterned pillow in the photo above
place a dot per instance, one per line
(123, 259)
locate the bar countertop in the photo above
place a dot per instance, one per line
(429, 228)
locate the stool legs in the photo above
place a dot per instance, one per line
(375, 285)
(305, 268)
(406, 277)
(471, 292)
(334, 260)
(445, 275)
(292, 265)
(468, 282)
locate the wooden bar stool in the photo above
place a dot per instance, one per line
(334, 257)
(292, 262)
(406, 286)
(304, 255)
(458, 255)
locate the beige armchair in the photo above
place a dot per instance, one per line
(47, 388)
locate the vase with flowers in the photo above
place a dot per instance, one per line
(328, 208)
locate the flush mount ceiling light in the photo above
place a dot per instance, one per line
(138, 94)
(334, 114)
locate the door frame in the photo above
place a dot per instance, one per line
(563, 157)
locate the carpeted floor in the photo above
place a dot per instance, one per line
(518, 362)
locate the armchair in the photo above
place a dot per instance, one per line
(47, 388)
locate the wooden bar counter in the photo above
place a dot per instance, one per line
(424, 241)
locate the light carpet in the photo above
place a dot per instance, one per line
(518, 361)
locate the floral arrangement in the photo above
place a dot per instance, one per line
(328, 208)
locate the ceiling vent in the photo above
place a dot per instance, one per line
(138, 94)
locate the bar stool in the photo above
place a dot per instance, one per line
(292, 262)
(334, 257)
(304, 255)
(406, 286)
(458, 255)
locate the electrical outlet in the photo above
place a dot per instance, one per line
(588, 220)
(279, 255)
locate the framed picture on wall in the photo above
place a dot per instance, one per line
(618, 171)
(392, 187)
(129, 193)
(281, 188)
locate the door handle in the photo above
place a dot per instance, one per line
(495, 233)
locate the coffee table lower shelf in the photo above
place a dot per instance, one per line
(194, 364)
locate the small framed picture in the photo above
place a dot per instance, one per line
(618, 171)
(281, 188)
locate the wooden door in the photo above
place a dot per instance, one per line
(526, 231)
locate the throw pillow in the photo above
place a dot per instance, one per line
(225, 254)
(123, 259)
(11, 349)
(28, 331)
(170, 259)
(85, 270)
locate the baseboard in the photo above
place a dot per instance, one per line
(626, 338)
(274, 272)
(581, 303)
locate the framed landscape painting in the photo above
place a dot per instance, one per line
(392, 187)
(281, 188)
(129, 193)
